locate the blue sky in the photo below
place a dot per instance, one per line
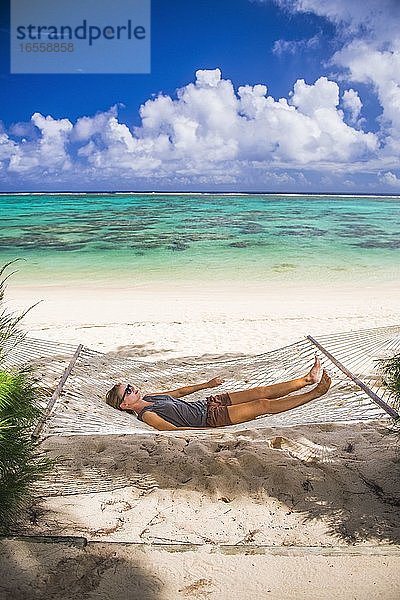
(289, 95)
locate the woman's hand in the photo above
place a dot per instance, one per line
(215, 382)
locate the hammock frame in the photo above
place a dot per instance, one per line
(56, 394)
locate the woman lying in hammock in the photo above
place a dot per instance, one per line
(166, 410)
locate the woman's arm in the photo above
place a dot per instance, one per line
(190, 389)
(161, 424)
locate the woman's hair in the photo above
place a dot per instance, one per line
(113, 398)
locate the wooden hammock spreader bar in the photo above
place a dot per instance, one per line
(57, 392)
(391, 411)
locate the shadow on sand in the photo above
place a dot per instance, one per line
(31, 570)
(354, 493)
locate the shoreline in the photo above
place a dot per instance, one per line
(281, 276)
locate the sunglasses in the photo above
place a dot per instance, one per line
(128, 390)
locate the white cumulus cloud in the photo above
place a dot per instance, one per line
(370, 54)
(47, 154)
(207, 132)
(209, 124)
(378, 18)
(390, 179)
(352, 103)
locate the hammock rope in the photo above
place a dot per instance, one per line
(390, 411)
(77, 406)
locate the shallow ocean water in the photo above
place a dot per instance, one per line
(132, 238)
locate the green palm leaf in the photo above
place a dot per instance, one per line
(391, 376)
(21, 462)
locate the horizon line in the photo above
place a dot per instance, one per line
(197, 192)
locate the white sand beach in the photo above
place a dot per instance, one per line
(197, 199)
(308, 511)
(161, 320)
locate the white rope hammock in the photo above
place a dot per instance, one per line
(77, 405)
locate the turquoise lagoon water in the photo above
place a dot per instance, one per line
(135, 238)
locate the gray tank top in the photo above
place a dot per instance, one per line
(177, 411)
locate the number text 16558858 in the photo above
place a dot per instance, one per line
(47, 47)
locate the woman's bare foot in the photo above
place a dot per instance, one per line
(324, 384)
(315, 374)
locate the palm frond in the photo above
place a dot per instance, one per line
(10, 332)
(21, 462)
(390, 368)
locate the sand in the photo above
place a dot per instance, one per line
(236, 489)
(164, 321)
(104, 571)
(310, 511)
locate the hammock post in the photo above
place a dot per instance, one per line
(381, 403)
(56, 394)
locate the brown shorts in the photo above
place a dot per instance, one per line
(217, 412)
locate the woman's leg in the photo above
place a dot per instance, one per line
(278, 390)
(247, 411)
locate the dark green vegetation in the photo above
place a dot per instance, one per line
(21, 463)
(391, 376)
